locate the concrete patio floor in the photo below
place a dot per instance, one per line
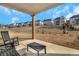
(52, 49)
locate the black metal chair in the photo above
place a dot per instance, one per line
(9, 44)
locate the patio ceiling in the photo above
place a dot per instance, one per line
(30, 8)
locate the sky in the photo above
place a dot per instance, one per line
(8, 16)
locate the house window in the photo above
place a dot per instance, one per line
(44, 24)
(57, 22)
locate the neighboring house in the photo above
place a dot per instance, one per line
(14, 25)
(68, 21)
(6, 26)
(0, 25)
(48, 22)
(74, 20)
(59, 21)
(10, 25)
(22, 24)
(3, 26)
(29, 23)
(38, 23)
(25, 24)
(18, 25)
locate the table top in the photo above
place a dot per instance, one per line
(36, 46)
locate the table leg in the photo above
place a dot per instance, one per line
(45, 50)
(27, 47)
(38, 53)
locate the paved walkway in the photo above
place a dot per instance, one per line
(52, 49)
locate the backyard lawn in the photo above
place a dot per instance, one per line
(52, 35)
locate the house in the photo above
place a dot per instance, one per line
(48, 22)
(25, 24)
(38, 23)
(10, 25)
(3, 26)
(14, 25)
(74, 20)
(28, 23)
(18, 25)
(22, 24)
(0, 25)
(59, 21)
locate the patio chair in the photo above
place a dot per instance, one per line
(9, 44)
(10, 51)
(6, 38)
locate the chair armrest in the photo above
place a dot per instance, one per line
(15, 40)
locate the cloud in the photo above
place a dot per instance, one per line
(55, 15)
(69, 15)
(14, 19)
(63, 10)
(6, 10)
(75, 11)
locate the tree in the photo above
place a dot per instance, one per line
(65, 28)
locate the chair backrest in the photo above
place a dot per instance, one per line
(5, 36)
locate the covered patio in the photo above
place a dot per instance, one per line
(52, 49)
(33, 9)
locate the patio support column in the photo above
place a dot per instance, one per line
(33, 26)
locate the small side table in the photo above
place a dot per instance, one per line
(37, 47)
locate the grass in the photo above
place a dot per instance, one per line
(52, 35)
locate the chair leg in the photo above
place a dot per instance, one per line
(45, 50)
(27, 48)
(37, 53)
